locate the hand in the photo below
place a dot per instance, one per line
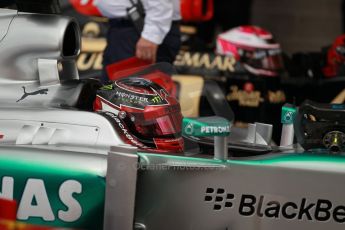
(146, 50)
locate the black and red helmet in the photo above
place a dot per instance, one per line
(254, 47)
(150, 117)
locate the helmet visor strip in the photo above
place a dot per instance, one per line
(264, 59)
(166, 126)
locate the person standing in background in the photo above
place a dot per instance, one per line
(158, 41)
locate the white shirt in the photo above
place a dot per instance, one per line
(158, 19)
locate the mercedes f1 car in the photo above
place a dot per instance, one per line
(69, 166)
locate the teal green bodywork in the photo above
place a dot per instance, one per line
(269, 159)
(91, 198)
(206, 127)
(289, 114)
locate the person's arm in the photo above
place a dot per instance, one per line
(158, 20)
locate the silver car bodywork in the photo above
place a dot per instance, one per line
(38, 54)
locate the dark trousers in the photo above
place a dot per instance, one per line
(122, 38)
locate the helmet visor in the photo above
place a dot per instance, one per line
(166, 126)
(264, 59)
(161, 133)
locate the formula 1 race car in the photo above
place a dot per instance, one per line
(76, 154)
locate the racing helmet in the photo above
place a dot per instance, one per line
(254, 47)
(143, 113)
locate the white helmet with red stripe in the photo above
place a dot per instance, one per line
(254, 47)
